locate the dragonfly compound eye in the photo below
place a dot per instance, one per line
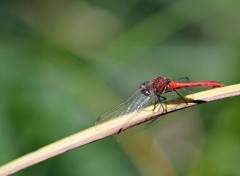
(145, 89)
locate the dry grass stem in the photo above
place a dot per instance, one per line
(112, 126)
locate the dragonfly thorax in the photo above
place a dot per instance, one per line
(157, 86)
(160, 85)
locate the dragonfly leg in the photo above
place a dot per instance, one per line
(160, 100)
(119, 131)
(163, 106)
(180, 96)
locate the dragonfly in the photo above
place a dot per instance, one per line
(152, 93)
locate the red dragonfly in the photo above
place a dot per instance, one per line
(152, 92)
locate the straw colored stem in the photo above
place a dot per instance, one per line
(112, 126)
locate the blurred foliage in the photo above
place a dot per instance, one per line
(63, 63)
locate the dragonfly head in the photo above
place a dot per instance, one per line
(144, 88)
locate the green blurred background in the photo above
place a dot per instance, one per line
(64, 63)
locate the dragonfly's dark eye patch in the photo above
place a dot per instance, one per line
(146, 92)
(145, 89)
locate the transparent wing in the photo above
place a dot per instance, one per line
(134, 103)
